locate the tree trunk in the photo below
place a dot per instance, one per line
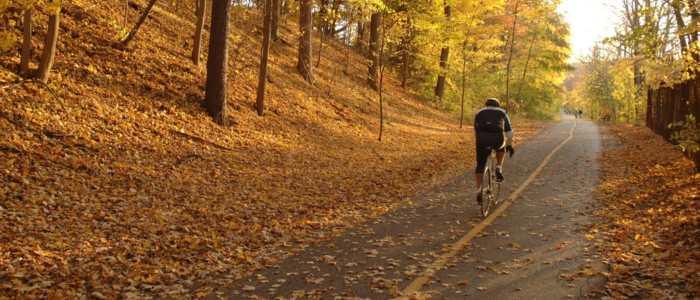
(275, 21)
(636, 24)
(694, 16)
(320, 49)
(201, 12)
(510, 53)
(444, 56)
(464, 76)
(305, 53)
(406, 54)
(133, 31)
(651, 25)
(529, 55)
(373, 49)
(49, 53)
(681, 26)
(360, 39)
(381, 86)
(262, 78)
(217, 64)
(347, 53)
(331, 29)
(26, 44)
(440, 86)
(323, 17)
(405, 68)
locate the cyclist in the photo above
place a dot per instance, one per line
(490, 124)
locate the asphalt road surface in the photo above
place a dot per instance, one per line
(534, 246)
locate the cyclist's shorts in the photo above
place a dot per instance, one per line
(484, 140)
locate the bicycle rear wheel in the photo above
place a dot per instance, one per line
(495, 184)
(486, 192)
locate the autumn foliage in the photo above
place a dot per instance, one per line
(121, 186)
(650, 217)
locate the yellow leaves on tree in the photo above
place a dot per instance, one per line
(53, 7)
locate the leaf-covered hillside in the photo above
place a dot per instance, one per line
(121, 186)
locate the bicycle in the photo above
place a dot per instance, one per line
(491, 186)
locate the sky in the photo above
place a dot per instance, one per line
(590, 22)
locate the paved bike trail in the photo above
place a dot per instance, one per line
(439, 247)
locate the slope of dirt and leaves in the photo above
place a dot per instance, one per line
(117, 185)
(650, 218)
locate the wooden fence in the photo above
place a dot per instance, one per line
(669, 105)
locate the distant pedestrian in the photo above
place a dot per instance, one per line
(580, 112)
(575, 113)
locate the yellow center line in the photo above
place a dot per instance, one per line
(416, 285)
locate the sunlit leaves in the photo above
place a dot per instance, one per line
(7, 40)
(53, 7)
(11, 11)
(649, 212)
(657, 35)
(687, 135)
(126, 206)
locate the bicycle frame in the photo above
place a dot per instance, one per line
(490, 186)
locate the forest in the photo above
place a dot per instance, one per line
(165, 148)
(452, 54)
(654, 45)
(155, 148)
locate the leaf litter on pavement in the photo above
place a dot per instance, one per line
(649, 210)
(131, 192)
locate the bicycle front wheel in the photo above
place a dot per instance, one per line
(495, 183)
(486, 192)
(496, 191)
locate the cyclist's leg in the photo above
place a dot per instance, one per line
(500, 157)
(479, 180)
(481, 158)
(500, 144)
(481, 155)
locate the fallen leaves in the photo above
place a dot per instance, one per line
(649, 217)
(145, 198)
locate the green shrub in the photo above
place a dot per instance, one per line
(688, 137)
